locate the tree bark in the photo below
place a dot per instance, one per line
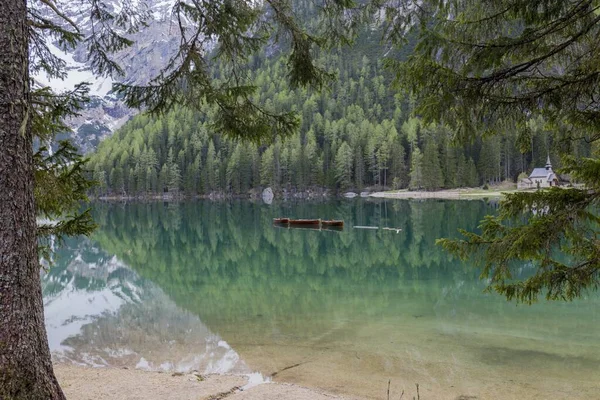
(25, 364)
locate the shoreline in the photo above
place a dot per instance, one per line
(88, 383)
(321, 194)
(451, 194)
(314, 193)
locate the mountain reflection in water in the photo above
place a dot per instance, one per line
(101, 313)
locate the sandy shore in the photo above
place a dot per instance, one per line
(457, 194)
(85, 383)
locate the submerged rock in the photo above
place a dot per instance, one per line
(350, 195)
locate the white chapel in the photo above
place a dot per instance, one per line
(540, 178)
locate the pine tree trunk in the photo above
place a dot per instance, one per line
(25, 365)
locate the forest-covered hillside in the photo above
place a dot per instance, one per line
(358, 133)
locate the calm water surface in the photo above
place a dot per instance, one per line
(215, 287)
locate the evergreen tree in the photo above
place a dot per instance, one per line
(211, 167)
(450, 167)
(472, 175)
(489, 160)
(461, 172)
(267, 164)
(174, 178)
(383, 156)
(343, 166)
(313, 166)
(432, 177)
(99, 177)
(47, 184)
(163, 179)
(416, 170)
(359, 168)
(234, 171)
(398, 166)
(116, 180)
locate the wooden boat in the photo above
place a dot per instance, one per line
(281, 220)
(305, 221)
(337, 228)
(332, 222)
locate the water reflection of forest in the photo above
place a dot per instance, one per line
(231, 249)
(210, 237)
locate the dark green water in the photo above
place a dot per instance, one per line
(215, 287)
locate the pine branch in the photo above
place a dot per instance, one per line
(53, 7)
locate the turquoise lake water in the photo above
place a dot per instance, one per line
(214, 287)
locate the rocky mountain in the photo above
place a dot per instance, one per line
(143, 60)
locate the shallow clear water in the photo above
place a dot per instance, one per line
(215, 287)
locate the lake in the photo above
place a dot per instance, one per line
(214, 287)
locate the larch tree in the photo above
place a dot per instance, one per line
(416, 169)
(432, 176)
(53, 185)
(480, 65)
(344, 165)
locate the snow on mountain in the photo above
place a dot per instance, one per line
(77, 72)
(105, 113)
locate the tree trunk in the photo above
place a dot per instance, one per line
(25, 365)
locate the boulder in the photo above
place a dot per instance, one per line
(267, 195)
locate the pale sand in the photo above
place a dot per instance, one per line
(85, 383)
(285, 391)
(461, 194)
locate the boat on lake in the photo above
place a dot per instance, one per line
(333, 222)
(309, 223)
(305, 221)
